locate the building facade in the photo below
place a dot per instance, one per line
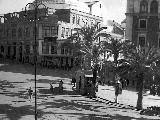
(143, 22)
(17, 34)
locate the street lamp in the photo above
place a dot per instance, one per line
(35, 6)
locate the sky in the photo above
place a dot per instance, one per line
(111, 9)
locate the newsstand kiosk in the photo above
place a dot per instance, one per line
(83, 79)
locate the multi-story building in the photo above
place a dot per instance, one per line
(143, 22)
(17, 33)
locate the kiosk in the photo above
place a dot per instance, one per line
(83, 80)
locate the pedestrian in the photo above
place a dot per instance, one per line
(73, 81)
(96, 86)
(51, 87)
(30, 92)
(61, 86)
(118, 88)
(92, 93)
(158, 90)
(125, 83)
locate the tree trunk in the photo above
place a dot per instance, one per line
(140, 92)
(94, 75)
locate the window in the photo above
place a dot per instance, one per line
(143, 6)
(63, 32)
(67, 32)
(62, 50)
(154, 7)
(142, 41)
(142, 23)
(31, 49)
(86, 22)
(46, 31)
(27, 32)
(78, 20)
(92, 23)
(2, 49)
(159, 43)
(73, 19)
(14, 32)
(70, 51)
(53, 49)
(45, 48)
(19, 32)
(27, 47)
(66, 51)
(53, 31)
(7, 32)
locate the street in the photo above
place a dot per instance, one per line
(15, 104)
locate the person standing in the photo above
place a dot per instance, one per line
(73, 81)
(30, 92)
(51, 87)
(118, 88)
(61, 86)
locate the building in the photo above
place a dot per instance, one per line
(143, 22)
(17, 33)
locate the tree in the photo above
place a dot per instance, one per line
(142, 60)
(118, 49)
(87, 42)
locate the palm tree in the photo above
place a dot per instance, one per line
(117, 48)
(142, 60)
(87, 42)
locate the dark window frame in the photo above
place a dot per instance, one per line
(143, 23)
(142, 41)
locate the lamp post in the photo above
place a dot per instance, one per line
(35, 6)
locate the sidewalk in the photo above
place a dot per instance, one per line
(127, 97)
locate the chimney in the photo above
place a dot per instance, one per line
(90, 8)
(90, 4)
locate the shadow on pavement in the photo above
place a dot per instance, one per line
(15, 113)
(10, 66)
(154, 98)
(57, 92)
(55, 81)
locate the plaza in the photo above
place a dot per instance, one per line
(15, 79)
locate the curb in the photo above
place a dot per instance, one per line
(119, 105)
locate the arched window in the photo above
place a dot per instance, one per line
(143, 6)
(154, 7)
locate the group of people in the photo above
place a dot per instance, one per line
(30, 91)
(91, 90)
(155, 90)
(60, 87)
